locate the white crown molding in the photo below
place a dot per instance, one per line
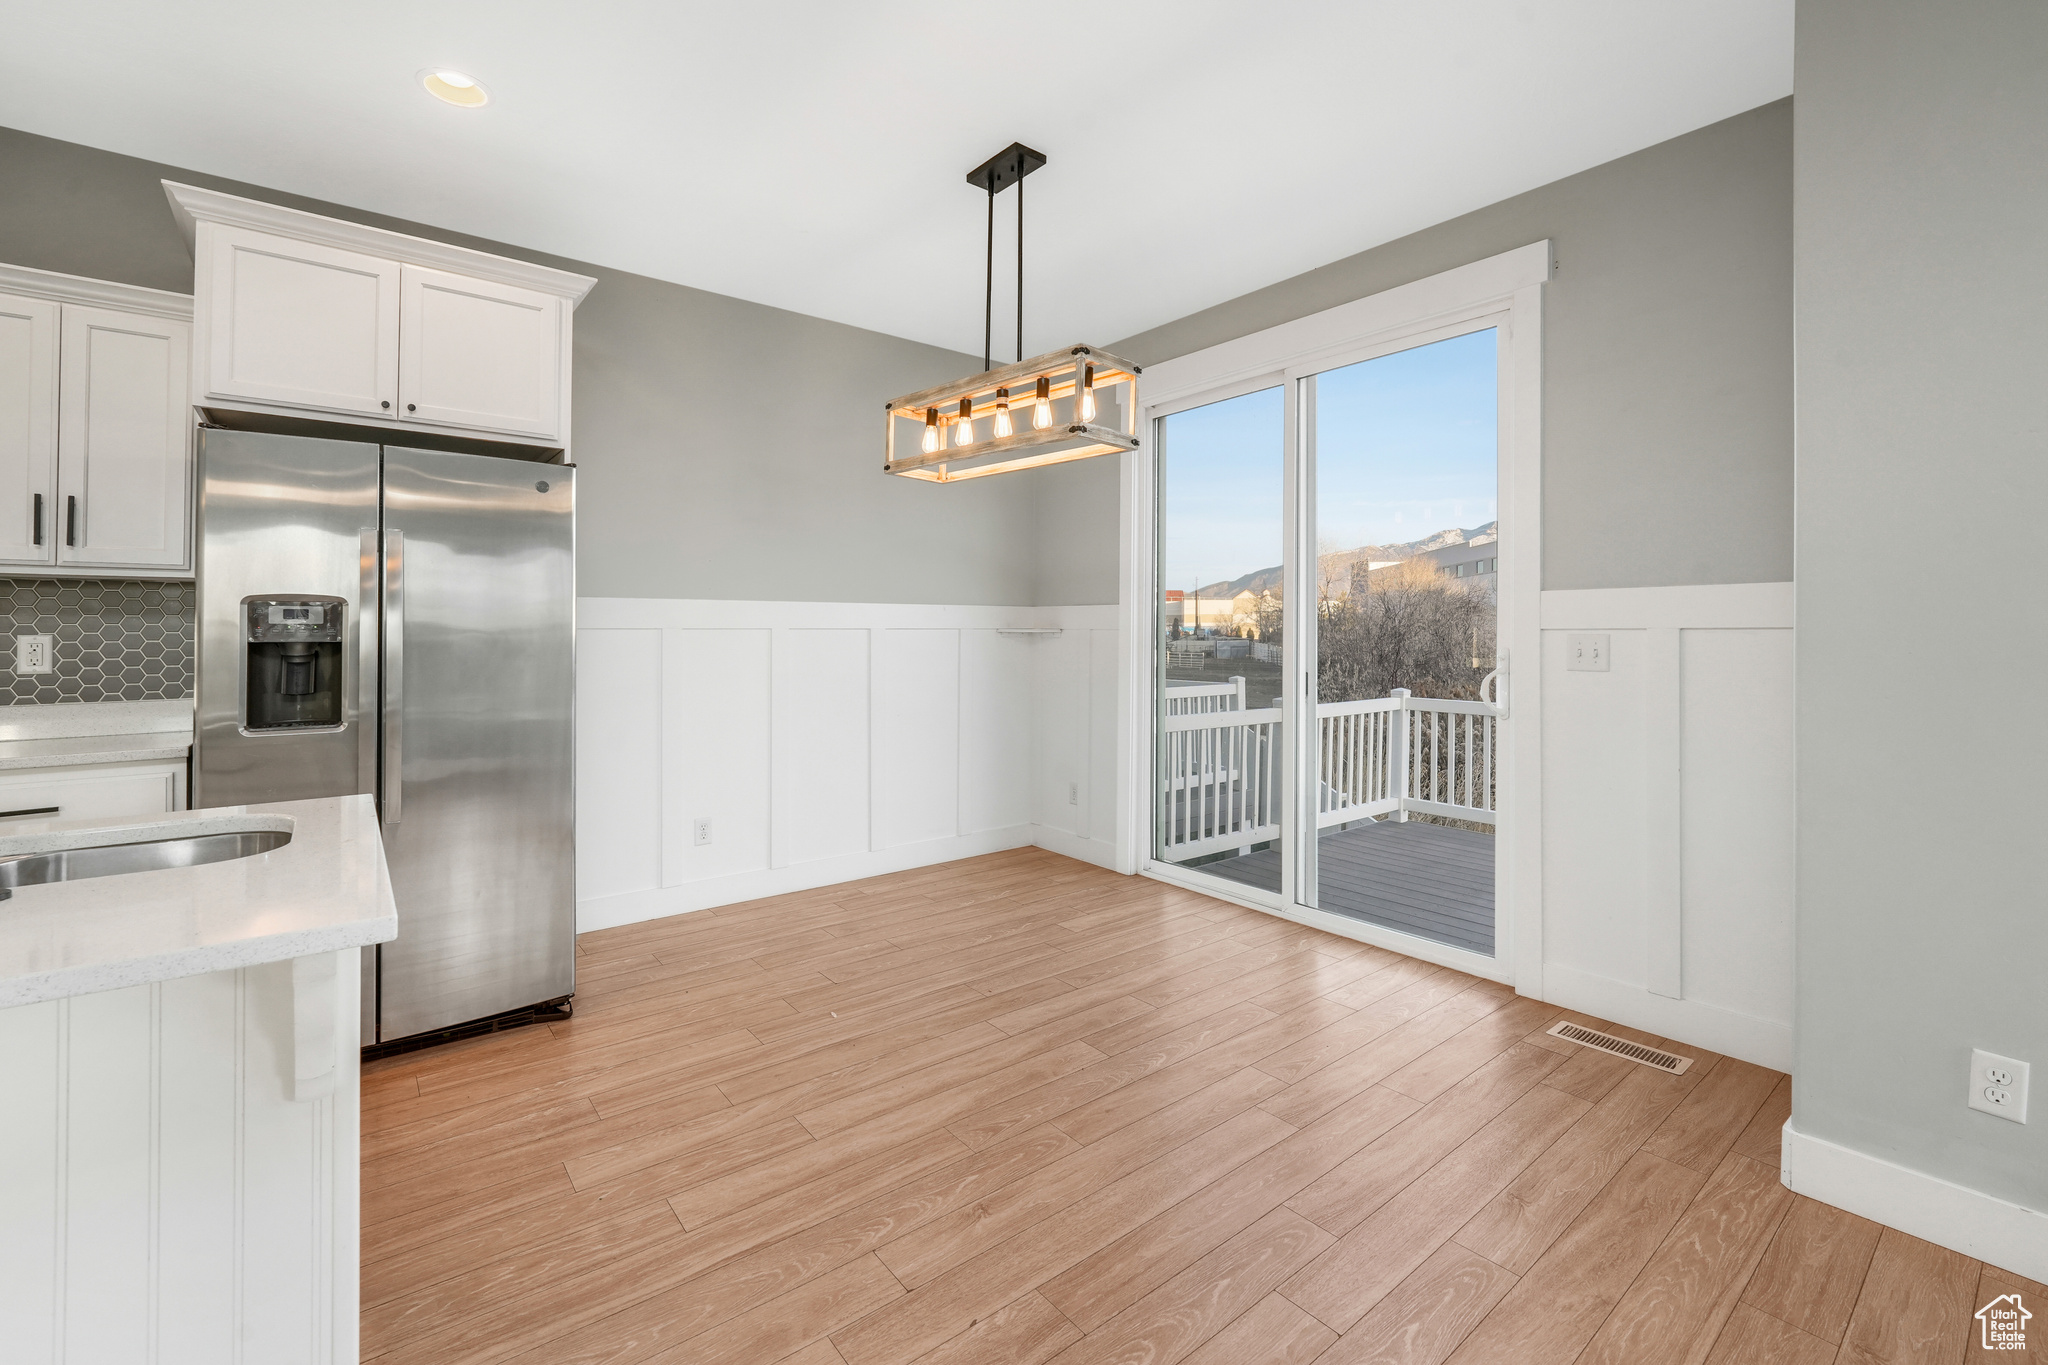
(129, 298)
(191, 206)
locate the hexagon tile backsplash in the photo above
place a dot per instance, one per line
(116, 639)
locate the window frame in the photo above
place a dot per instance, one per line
(1505, 292)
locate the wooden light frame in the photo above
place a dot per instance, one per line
(1029, 447)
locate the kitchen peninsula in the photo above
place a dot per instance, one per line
(179, 1053)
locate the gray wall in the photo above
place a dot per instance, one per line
(1923, 468)
(1667, 351)
(725, 449)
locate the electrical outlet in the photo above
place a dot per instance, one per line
(702, 830)
(1073, 793)
(34, 654)
(1998, 1085)
(1586, 653)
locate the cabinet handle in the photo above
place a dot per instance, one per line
(39, 518)
(30, 810)
(412, 407)
(385, 404)
(71, 519)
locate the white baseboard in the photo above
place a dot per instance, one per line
(632, 907)
(1101, 852)
(1983, 1226)
(1762, 1041)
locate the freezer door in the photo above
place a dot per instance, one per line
(294, 518)
(478, 765)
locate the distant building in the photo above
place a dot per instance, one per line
(1363, 569)
(1475, 562)
(1235, 614)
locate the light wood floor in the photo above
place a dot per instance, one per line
(1017, 1109)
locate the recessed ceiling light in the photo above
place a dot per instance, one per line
(455, 88)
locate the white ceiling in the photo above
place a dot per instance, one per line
(811, 155)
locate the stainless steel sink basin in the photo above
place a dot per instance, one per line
(111, 860)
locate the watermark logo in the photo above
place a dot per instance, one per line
(2005, 1323)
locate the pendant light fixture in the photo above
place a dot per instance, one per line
(1084, 401)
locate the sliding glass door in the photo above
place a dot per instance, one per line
(1402, 452)
(1220, 741)
(1326, 734)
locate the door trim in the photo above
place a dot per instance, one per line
(1509, 285)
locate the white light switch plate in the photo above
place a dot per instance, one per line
(1998, 1085)
(33, 654)
(1586, 653)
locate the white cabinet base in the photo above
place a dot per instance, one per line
(165, 1197)
(89, 791)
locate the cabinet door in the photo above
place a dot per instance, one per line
(28, 429)
(54, 794)
(300, 325)
(474, 353)
(124, 483)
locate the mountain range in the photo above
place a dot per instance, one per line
(1336, 564)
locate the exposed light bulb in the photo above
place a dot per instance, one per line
(931, 430)
(1041, 406)
(1002, 426)
(1087, 407)
(963, 431)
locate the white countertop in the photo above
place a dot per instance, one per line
(70, 733)
(325, 890)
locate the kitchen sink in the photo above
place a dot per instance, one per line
(111, 860)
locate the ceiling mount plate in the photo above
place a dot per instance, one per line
(1005, 168)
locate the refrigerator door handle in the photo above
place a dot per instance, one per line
(394, 673)
(366, 659)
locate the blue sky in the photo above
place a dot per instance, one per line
(1406, 446)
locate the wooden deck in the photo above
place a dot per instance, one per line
(1433, 881)
(1019, 1110)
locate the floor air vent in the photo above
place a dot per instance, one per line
(1620, 1047)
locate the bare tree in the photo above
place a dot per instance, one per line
(1411, 627)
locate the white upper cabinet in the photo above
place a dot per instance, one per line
(475, 353)
(95, 426)
(303, 315)
(124, 474)
(300, 324)
(28, 428)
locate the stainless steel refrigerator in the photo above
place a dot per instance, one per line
(402, 622)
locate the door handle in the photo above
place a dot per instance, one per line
(70, 519)
(366, 660)
(394, 674)
(39, 518)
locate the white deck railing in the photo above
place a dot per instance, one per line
(1392, 755)
(1205, 697)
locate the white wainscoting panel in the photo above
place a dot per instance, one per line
(822, 741)
(165, 1197)
(998, 688)
(618, 761)
(715, 746)
(1668, 814)
(829, 741)
(916, 736)
(1075, 713)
